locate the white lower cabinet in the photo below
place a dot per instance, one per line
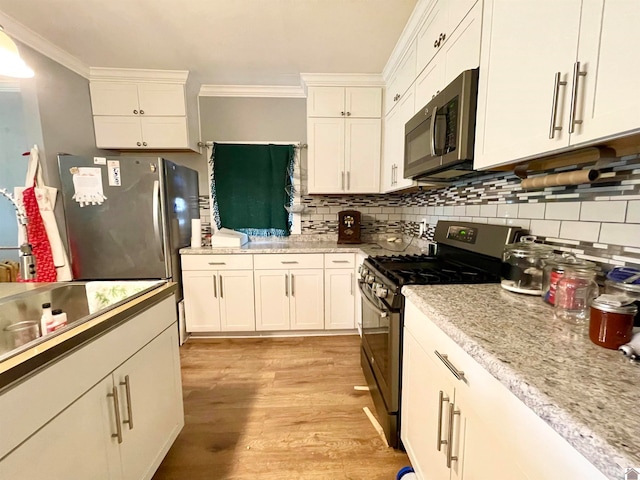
(289, 299)
(218, 293)
(121, 428)
(340, 291)
(459, 422)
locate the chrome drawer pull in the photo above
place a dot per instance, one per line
(450, 456)
(217, 263)
(288, 262)
(554, 106)
(574, 97)
(459, 374)
(340, 261)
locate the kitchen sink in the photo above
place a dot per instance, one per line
(79, 300)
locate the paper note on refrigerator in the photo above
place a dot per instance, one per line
(87, 185)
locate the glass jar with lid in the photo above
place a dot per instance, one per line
(554, 269)
(611, 322)
(522, 265)
(575, 292)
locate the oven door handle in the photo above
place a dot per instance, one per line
(365, 296)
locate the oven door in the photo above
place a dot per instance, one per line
(381, 343)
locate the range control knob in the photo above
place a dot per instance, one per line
(382, 291)
(369, 278)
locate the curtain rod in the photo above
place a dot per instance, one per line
(295, 144)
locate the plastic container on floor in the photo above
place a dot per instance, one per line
(406, 473)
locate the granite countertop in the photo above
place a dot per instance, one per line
(379, 248)
(106, 304)
(587, 393)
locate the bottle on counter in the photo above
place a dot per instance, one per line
(46, 320)
(59, 319)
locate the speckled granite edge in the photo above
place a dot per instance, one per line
(543, 363)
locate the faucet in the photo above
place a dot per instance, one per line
(27, 259)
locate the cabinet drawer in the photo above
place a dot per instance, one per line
(339, 260)
(289, 261)
(217, 262)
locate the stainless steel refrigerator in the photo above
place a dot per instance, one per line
(127, 217)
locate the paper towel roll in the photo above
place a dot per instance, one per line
(566, 178)
(196, 233)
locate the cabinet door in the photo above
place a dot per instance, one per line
(608, 99)
(363, 102)
(164, 132)
(76, 444)
(118, 132)
(114, 98)
(429, 83)
(161, 99)
(326, 102)
(462, 50)
(433, 33)
(362, 155)
(237, 312)
(426, 399)
(401, 79)
(326, 155)
(339, 298)
(518, 66)
(150, 405)
(306, 296)
(272, 299)
(201, 305)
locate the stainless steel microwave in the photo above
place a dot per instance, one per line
(439, 138)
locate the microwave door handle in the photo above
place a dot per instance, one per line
(432, 143)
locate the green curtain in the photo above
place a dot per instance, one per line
(250, 186)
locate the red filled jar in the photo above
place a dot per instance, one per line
(611, 325)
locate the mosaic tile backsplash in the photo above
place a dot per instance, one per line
(599, 221)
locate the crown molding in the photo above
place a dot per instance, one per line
(28, 37)
(138, 75)
(408, 35)
(262, 91)
(342, 79)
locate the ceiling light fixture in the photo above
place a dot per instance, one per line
(11, 65)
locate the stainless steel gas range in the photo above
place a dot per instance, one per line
(466, 253)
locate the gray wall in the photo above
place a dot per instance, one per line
(224, 119)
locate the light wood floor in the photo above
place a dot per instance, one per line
(277, 408)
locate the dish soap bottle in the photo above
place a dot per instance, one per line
(59, 320)
(46, 320)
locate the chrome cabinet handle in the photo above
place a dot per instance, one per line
(216, 263)
(135, 112)
(348, 114)
(215, 286)
(340, 261)
(292, 286)
(116, 407)
(221, 291)
(144, 144)
(286, 284)
(352, 283)
(459, 374)
(289, 262)
(348, 180)
(342, 113)
(127, 389)
(342, 185)
(554, 104)
(574, 97)
(441, 399)
(141, 112)
(450, 456)
(139, 144)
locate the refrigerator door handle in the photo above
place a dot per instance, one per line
(156, 219)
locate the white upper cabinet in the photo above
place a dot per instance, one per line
(145, 113)
(358, 102)
(401, 79)
(608, 100)
(344, 133)
(543, 91)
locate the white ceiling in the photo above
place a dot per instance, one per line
(243, 42)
